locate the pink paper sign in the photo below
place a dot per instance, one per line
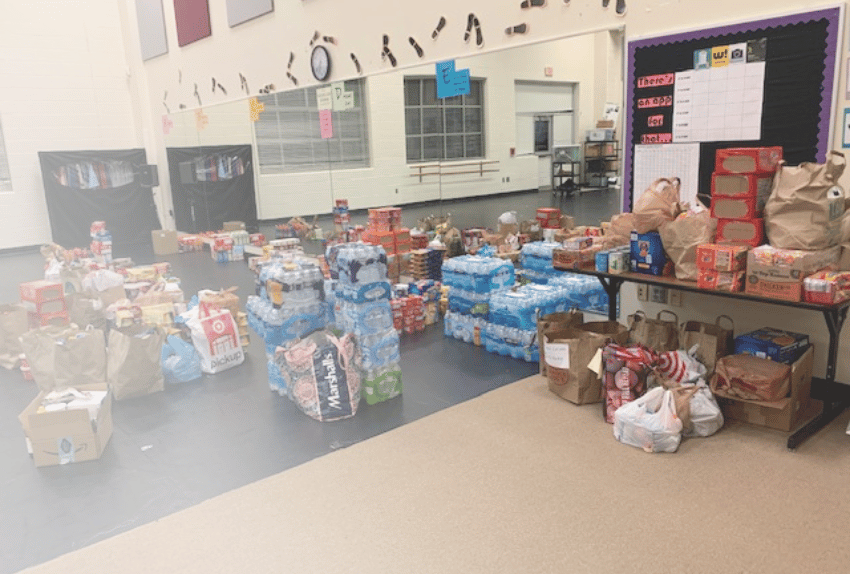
(326, 124)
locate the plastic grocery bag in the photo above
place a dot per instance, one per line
(216, 337)
(649, 422)
(180, 361)
(705, 415)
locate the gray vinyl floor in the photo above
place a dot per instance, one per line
(196, 440)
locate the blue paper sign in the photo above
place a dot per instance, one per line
(451, 82)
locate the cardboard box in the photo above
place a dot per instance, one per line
(725, 258)
(164, 242)
(736, 208)
(233, 226)
(785, 414)
(742, 185)
(40, 291)
(599, 150)
(762, 160)
(574, 258)
(779, 273)
(63, 437)
(600, 135)
(647, 253)
(774, 344)
(747, 233)
(721, 280)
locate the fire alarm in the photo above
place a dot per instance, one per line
(548, 71)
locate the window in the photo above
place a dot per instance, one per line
(448, 128)
(542, 133)
(5, 176)
(289, 140)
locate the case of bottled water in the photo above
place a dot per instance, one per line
(459, 326)
(520, 308)
(364, 318)
(478, 274)
(583, 291)
(510, 342)
(378, 350)
(358, 263)
(381, 384)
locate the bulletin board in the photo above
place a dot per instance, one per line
(768, 82)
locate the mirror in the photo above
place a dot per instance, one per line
(398, 144)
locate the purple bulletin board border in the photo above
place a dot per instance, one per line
(833, 15)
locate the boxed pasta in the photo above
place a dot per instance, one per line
(722, 257)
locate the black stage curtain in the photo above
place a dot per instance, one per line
(127, 208)
(211, 185)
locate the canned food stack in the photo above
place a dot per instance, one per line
(362, 307)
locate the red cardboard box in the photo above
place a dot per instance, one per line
(721, 280)
(741, 184)
(40, 291)
(725, 258)
(549, 217)
(37, 320)
(762, 160)
(733, 232)
(739, 208)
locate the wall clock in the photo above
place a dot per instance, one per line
(320, 63)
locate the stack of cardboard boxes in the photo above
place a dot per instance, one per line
(44, 302)
(740, 186)
(385, 229)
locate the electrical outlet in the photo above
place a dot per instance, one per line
(658, 294)
(643, 292)
(675, 298)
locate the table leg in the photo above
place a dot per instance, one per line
(833, 403)
(612, 288)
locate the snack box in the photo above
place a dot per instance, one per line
(779, 273)
(40, 291)
(774, 344)
(647, 253)
(722, 257)
(733, 232)
(574, 258)
(721, 280)
(742, 185)
(737, 208)
(827, 287)
(763, 160)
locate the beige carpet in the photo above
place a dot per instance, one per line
(516, 481)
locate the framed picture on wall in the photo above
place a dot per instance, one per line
(241, 11)
(193, 20)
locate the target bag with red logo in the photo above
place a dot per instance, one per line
(625, 372)
(216, 338)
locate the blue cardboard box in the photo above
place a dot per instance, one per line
(774, 344)
(647, 253)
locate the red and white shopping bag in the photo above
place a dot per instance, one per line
(216, 339)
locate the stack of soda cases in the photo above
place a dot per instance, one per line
(536, 261)
(426, 264)
(224, 248)
(413, 313)
(362, 307)
(418, 241)
(385, 229)
(101, 242)
(257, 239)
(472, 280)
(289, 303)
(44, 302)
(187, 243)
(284, 231)
(512, 328)
(430, 292)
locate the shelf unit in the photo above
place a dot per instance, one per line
(833, 394)
(601, 160)
(566, 169)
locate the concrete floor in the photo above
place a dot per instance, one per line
(196, 440)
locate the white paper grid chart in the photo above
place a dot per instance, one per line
(719, 104)
(667, 160)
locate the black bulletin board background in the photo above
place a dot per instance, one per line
(797, 90)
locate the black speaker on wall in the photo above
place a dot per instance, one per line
(148, 176)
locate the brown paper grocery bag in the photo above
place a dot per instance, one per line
(555, 321)
(713, 341)
(682, 236)
(806, 206)
(655, 334)
(657, 205)
(65, 356)
(13, 323)
(133, 361)
(568, 355)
